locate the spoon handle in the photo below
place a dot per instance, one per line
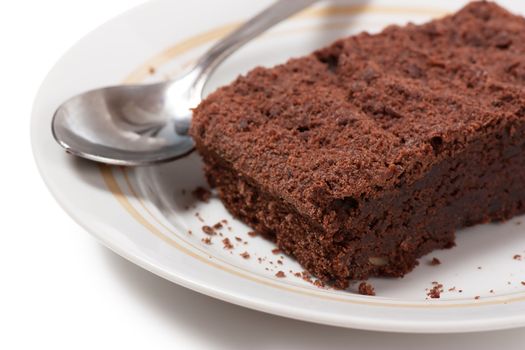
(260, 23)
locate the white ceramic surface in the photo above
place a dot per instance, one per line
(145, 214)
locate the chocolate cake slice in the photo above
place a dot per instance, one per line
(365, 155)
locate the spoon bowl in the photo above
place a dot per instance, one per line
(127, 125)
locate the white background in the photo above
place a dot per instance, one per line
(60, 289)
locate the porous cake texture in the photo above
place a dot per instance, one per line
(367, 154)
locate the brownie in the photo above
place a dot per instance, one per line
(367, 154)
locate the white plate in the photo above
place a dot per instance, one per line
(142, 214)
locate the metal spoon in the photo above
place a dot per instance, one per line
(145, 124)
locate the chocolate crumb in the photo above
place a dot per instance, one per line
(206, 240)
(208, 230)
(476, 297)
(238, 239)
(366, 289)
(199, 217)
(190, 232)
(227, 243)
(151, 70)
(280, 274)
(297, 274)
(245, 255)
(517, 257)
(252, 233)
(320, 284)
(435, 291)
(202, 194)
(306, 276)
(479, 267)
(217, 226)
(276, 251)
(280, 262)
(491, 291)
(452, 289)
(435, 261)
(523, 283)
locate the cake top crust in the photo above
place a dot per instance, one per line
(369, 112)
